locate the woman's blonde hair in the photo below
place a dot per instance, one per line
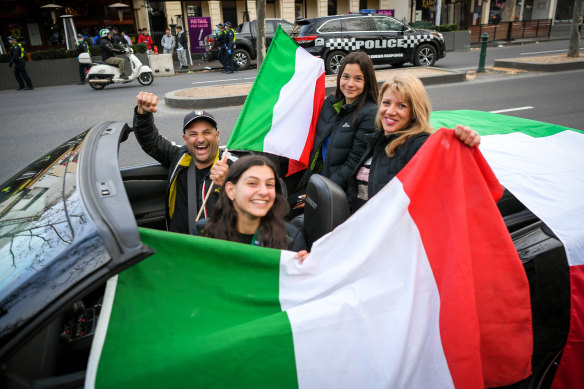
(413, 92)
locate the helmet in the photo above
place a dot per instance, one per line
(103, 33)
(12, 38)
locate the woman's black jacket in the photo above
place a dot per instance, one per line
(383, 168)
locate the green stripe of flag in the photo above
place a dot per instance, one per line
(255, 119)
(186, 322)
(486, 123)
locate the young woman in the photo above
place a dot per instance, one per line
(403, 116)
(251, 208)
(345, 118)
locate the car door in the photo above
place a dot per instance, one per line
(390, 33)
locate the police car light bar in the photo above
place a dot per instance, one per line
(367, 11)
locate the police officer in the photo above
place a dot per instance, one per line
(230, 41)
(220, 38)
(17, 59)
(82, 47)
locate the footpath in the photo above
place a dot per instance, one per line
(206, 97)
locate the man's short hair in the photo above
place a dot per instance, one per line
(198, 115)
(179, 27)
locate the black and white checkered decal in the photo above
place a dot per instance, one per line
(352, 44)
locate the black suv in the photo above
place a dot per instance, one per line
(385, 39)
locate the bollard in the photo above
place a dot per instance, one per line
(484, 39)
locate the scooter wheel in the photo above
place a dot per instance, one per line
(145, 78)
(96, 86)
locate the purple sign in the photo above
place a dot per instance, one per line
(199, 28)
(388, 12)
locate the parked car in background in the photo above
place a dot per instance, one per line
(246, 41)
(386, 40)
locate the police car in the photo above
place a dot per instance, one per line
(385, 39)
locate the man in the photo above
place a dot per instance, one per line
(108, 53)
(168, 42)
(182, 47)
(17, 60)
(229, 42)
(117, 38)
(147, 39)
(192, 168)
(220, 38)
(82, 47)
(127, 38)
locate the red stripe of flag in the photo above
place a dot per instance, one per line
(485, 312)
(302, 163)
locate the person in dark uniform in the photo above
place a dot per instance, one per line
(230, 35)
(17, 60)
(82, 47)
(220, 38)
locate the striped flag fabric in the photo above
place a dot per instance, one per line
(280, 113)
(421, 287)
(543, 166)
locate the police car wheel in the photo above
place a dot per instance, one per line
(333, 61)
(425, 55)
(241, 58)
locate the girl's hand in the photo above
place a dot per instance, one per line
(302, 255)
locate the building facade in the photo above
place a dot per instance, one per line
(39, 24)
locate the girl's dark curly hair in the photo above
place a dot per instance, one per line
(223, 221)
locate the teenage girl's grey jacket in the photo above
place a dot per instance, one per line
(347, 139)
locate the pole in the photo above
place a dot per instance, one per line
(438, 11)
(484, 39)
(261, 37)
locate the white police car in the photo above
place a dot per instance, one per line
(386, 40)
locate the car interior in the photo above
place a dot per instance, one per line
(56, 354)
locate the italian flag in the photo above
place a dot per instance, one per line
(280, 113)
(543, 166)
(420, 288)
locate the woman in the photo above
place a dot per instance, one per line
(251, 208)
(403, 115)
(344, 120)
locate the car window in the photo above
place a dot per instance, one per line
(330, 26)
(287, 27)
(387, 24)
(356, 24)
(270, 29)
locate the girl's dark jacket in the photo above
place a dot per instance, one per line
(383, 169)
(347, 139)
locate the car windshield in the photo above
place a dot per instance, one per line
(41, 214)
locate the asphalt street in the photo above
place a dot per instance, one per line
(34, 122)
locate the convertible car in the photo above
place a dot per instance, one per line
(69, 221)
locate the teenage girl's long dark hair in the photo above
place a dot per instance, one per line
(370, 90)
(223, 222)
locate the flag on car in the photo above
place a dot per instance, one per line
(543, 166)
(422, 285)
(280, 113)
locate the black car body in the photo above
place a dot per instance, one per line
(246, 41)
(385, 39)
(69, 222)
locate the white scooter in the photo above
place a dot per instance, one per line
(101, 74)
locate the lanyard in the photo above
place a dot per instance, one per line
(253, 239)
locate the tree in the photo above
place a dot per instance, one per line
(574, 48)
